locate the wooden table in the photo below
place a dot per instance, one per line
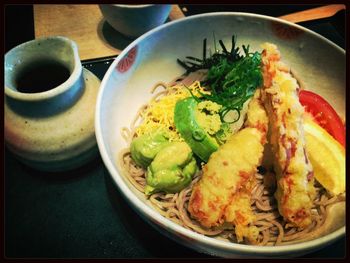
(86, 26)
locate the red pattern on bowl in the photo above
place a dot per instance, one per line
(127, 61)
(285, 32)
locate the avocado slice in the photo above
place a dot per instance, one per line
(145, 147)
(201, 143)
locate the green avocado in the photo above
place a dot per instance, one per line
(171, 170)
(201, 143)
(145, 147)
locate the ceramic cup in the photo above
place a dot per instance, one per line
(49, 105)
(135, 20)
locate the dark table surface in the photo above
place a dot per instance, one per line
(81, 214)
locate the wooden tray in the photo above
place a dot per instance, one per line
(86, 26)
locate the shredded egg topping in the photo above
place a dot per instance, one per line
(159, 114)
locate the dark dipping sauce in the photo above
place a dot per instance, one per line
(41, 76)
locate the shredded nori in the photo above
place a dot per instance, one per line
(232, 77)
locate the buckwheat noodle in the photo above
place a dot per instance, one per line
(273, 230)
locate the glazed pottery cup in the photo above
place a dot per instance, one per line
(49, 105)
(135, 20)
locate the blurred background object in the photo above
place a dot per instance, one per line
(96, 38)
(135, 20)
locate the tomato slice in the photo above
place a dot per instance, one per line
(324, 114)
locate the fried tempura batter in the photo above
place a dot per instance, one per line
(294, 172)
(223, 194)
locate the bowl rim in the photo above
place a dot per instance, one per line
(166, 224)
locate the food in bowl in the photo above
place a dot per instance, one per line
(230, 150)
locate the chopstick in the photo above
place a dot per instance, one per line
(297, 17)
(176, 13)
(313, 14)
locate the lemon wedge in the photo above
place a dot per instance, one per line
(327, 157)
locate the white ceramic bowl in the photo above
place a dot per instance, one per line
(152, 58)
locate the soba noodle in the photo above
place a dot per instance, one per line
(273, 230)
